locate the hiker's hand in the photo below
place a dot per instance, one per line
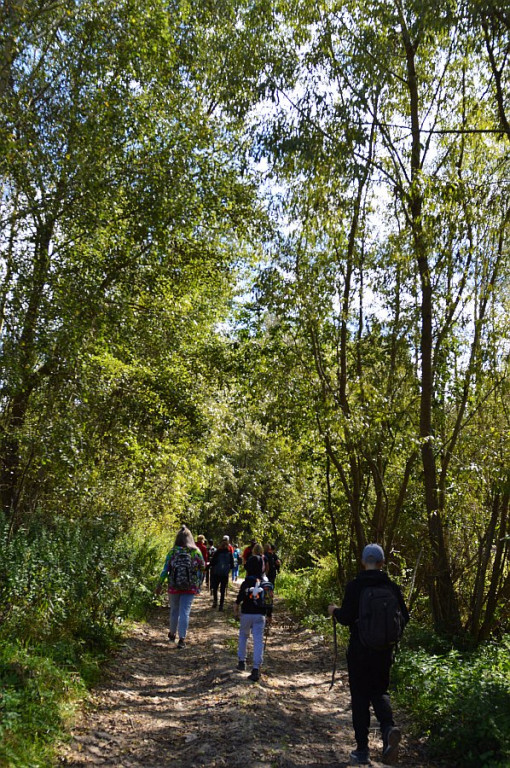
(332, 608)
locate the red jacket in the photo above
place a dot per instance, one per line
(203, 550)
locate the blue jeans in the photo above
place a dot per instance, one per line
(254, 623)
(180, 609)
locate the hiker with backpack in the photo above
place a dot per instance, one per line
(255, 602)
(374, 610)
(183, 571)
(222, 563)
(237, 560)
(273, 562)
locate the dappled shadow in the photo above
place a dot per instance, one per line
(160, 706)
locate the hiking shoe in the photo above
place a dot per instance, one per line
(391, 740)
(359, 757)
(241, 666)
(171, 637)
(181, 643)
(215, 605)
(254, 675)
(220, 607)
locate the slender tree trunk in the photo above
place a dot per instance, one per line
(499, 591)
(482, 566)
(444, 599)
(336, 540)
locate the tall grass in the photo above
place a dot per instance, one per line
(65, 590)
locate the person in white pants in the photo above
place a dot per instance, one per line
(254, 615)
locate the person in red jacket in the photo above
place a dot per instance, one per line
(247, 551)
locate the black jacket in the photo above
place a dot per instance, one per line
(246, 605)
(348, 612)
(222, 562)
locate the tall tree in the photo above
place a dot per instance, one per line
(122, 201)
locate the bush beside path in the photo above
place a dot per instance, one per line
(159, 706)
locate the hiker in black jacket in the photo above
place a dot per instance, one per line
(255, 614)
(369, 669)
(222, 563)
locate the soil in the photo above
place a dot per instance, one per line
(162, 706)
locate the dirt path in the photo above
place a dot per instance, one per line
(160, 706)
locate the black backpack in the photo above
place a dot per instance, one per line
(380, 623)
(258, 593)
(181, 570)
(221, 565)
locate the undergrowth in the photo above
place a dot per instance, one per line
(461, 701)
(65, 591)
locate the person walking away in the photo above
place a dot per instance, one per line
(183, 568)
(258, 551)
(205, 554)
(247, 551)
(273, 563)
(222, 563)
(374, 610)
(211, 549)
(254, 602)
(237, 558)
(277, 561)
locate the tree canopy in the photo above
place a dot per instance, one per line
(254, 275)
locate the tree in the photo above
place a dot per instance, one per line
(405, 152)
(123, 208)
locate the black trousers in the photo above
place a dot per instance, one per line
(221, 582)
(369, 678)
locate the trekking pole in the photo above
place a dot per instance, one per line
(335, 645)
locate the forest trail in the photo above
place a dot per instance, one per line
(160, 706)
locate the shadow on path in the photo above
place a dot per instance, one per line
(159, 706)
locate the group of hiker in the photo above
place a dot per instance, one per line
(188, 566)
(373, 608)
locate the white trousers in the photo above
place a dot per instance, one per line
(254, 623)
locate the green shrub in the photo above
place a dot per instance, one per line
(36, 698)
(65, 589)
(73, 580)
(309, 591)
(461, 701)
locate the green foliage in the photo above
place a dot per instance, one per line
(461, 701)
(36, 699)
(72, 580)
(308, 592)
(64, 591)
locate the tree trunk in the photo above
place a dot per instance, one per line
(444, 601)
